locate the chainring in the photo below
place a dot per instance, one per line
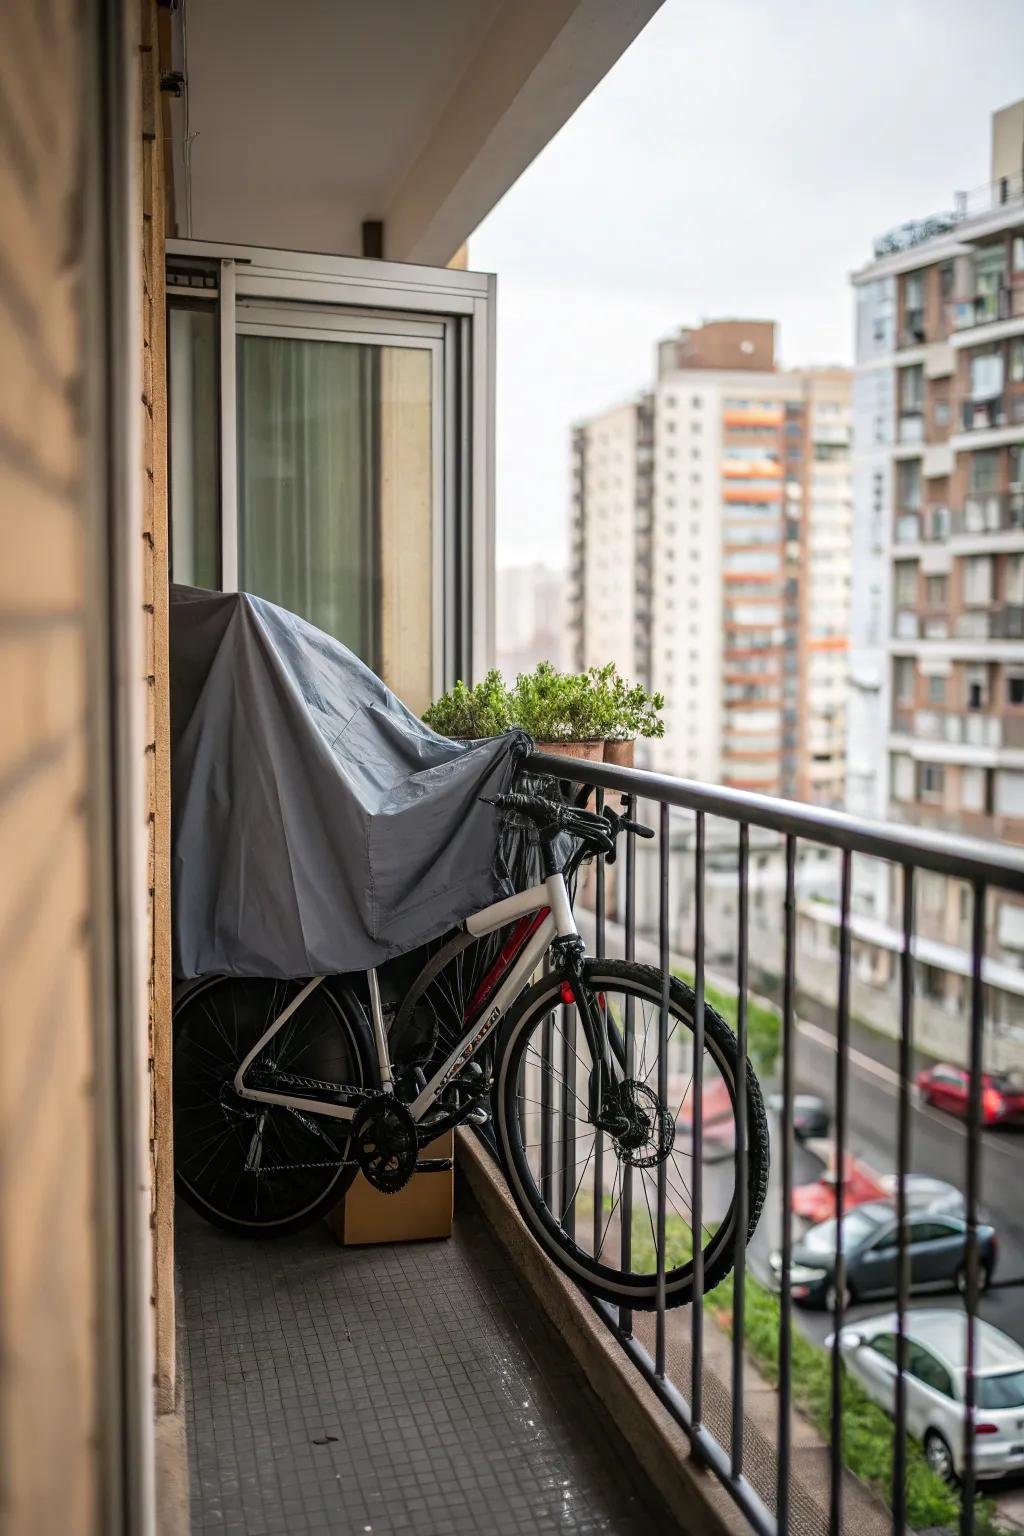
(651, 1131)
(385, 1143)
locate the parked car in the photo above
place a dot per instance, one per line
(949, 1088)
(937, 1247)
(935, 1369)
(811, 1115)
(816, 1201)
(926, 1194)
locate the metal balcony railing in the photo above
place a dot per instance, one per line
(977, 415)
(1003, 303)
(717, 1436)
(990, 512)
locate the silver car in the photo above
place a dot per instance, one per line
(936, 1368)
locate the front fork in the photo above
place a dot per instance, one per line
(603, 1091)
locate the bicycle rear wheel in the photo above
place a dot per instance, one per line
(260, 1169)
(591, 1200)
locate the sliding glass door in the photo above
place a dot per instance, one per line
(322, 457)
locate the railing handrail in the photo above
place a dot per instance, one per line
(964, 858)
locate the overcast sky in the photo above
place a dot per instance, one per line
(738, 160)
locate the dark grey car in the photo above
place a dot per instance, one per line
(937, 1244)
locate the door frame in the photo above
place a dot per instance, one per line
(390, 295)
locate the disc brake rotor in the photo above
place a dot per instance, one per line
(650, 1133)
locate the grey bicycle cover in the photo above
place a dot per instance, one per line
(317, 824)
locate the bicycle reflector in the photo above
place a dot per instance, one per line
(568, 996)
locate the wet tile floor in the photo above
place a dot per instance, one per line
(408, 1389)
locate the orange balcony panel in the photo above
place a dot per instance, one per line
(752, 493)
(754, 416)
(829, 643)
(751, 469)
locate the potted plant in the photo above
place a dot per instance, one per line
(632, 712)
(594, 714)
(560, 710)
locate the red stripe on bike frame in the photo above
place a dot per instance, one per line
(523, 930)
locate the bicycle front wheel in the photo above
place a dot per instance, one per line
(590, 1198)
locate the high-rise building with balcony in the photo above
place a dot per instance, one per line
(711, 527)
(936, 708)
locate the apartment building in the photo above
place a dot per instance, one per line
(710, 557)
(529, 617)
(936, 708)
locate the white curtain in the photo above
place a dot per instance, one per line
(306, 473)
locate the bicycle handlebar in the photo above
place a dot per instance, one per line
(602, 827)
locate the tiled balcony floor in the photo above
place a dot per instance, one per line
(409, 1389)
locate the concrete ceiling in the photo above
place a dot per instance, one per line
(302, 120)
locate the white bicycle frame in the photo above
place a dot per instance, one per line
(551, 895)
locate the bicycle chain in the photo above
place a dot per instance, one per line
(295, 1080)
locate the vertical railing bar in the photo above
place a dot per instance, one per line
(626, 1204)
(599, 943)
(784, 1438)
(568, 1110)
(740, 1157)
(975, 1067)
(899, 1452)
(842, 1087)
(697, 1165)
(663, 960)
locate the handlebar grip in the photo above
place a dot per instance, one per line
(637, 827)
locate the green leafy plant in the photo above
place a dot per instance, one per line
(470, 713)
(596, 705)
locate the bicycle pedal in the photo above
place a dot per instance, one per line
(434, 1165)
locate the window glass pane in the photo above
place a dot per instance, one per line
(335, 494)
(987, 376)
(194, 451)
(985, 470)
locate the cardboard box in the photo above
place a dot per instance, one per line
(422, 1209)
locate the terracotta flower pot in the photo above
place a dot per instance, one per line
(620, 753)
(590, 751)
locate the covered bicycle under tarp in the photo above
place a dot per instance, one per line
(318, 825)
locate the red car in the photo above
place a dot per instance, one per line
(1002, 1093)
(817, 1201)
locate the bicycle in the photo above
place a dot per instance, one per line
(283, 1090)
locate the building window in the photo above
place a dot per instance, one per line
(905, 583)
(986, 375)
(977, 687)
(936, 690)
(902, 776)
(1015, 689)
(1017, 359)
(932, 782)
(903, 679)
(972, 791)
(978, 580)
(1009, 793)
(912, 388)
(936, 592)
(908, 484)
(984, 470)
(1018, 253)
